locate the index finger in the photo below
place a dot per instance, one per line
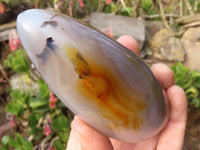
(162, 72)
(129, 43)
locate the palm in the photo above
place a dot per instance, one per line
(171, 137)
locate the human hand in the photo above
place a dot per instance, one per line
(84, 137)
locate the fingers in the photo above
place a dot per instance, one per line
(129, 43)
(178, 104)
(83, 136)
(161, 71)
(172, 136)
(163, 74)
(149, 144)
(132, 44)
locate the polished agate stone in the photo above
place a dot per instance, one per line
(101, 81)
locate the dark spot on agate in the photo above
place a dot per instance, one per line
(50, 23)
(49, 44)
(80, 57)
(53, 16)
(48, 48)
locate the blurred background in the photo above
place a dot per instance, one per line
(168, 31)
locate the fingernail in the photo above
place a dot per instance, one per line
(79, 139)
(76, 132)
(75, 117)
(75, 141)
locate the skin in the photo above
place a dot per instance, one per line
(84, 137)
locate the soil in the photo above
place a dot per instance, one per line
(192, 135)
(5, 126)
(2, 114)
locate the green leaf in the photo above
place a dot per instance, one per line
(5, 140)
(173, 67)
(18, 138)
(32, 120)
(27, 145)
(32, 123)
(35, 103)
(57, 144)
(192, 91)
(189, 80)
(37, 137)
(196, 102)
(60, 123)
(182, 80)
(19, 143)
(18, 102)
(13, 142)
(20, 96)
(194, 74)
(196, 78)
(43, 89)
(33, 131)
(181, 68)
(64, 136)
(20, 69)
(4, 147)
(60, 104)
(42, 109)
(197, 82)
(187, 84)
(17, 62)
(15, 107)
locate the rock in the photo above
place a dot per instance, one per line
(191, 44)
(151, 28)
(120, 25)
(167, 47)
(5, 30)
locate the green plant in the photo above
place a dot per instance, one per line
(189, 80)
(17, 62)
(18, 142)
(111, 8)
(147, 7)
(19, 103)
(36, 106)
(41, 3)
(40, 110)
(119, 9)
(124, 11)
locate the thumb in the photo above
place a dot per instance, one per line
(83, 137)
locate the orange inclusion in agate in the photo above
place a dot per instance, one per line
(100, 86)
